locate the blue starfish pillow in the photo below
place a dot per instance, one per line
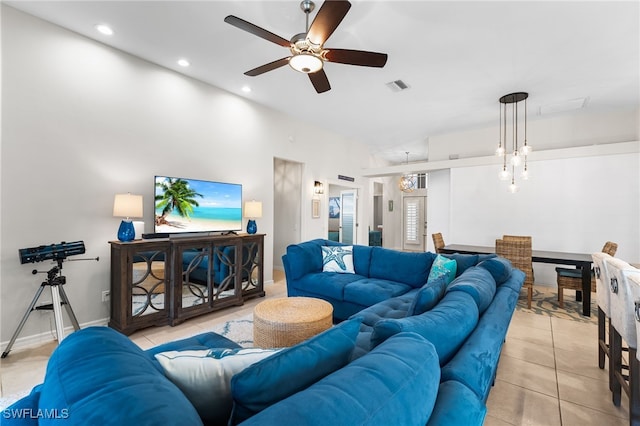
(337, 259)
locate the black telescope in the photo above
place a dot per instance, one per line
(51, 252)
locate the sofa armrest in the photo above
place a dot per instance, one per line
(304, 258)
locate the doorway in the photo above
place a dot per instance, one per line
(414, 224)
(375, 233)
(348, 215)
(287, 206)
(343, 214)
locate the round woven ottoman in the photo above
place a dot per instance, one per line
(286, 321)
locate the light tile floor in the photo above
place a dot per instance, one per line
(548, 372)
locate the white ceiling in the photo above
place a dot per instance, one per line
(457, 57)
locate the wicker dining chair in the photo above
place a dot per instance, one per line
(438, 241)
(571, 279)
(518, 251)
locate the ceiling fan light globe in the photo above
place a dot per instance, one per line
(306, 63)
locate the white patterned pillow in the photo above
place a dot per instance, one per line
(204, 376)
(337, 259)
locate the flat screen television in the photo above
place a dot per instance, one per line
(190, 205)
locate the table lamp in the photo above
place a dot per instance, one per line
(127, 206)
(252, 210)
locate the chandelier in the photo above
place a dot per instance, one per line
(407, 183)
(518, 155)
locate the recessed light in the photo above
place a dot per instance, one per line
(246, 89)
(183, 62)
(104, 29)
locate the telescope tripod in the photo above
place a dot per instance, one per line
(54, 281)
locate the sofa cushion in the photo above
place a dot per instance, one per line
(463, 261)
(369, 291)
(395, 307)
(447, 325)
(96, 365)
(394, 384)
(361, 259)
(443, 266)
(404, 267)
(478, 283)
(330, 284)
(291, 370)
(428, 296)
(499, 267)
(204, 376)
(337, 259)
(457, 405)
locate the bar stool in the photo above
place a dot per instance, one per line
(622, 328)
(603, 299)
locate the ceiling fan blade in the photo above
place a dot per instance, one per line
(256, 30)
(327, 20)
(356, 57)
(320, 81)
(268, 67)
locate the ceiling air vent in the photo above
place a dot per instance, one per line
(397, 86)
(564, 106)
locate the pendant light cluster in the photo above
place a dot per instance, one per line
(407, 183)
(518, 155)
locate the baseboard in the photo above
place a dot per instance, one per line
(48, 336)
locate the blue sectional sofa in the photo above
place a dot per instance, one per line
(97, 376)
(417, 355)
(466, 320)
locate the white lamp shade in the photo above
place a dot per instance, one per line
(253, 209)
(127, 205)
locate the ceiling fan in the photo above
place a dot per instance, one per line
(308, 53)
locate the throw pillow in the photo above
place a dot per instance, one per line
(428, 296)
(337, 259)
(204, 376)
(291, 370)
(443, 266)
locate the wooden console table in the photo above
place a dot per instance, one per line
(166, 281)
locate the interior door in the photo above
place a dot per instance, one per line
(414, 224)
(348, 216)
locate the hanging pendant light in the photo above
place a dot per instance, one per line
(518, 156)
(407, 183)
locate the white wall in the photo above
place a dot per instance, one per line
(438, 200)
(82, 122)
(572, 205)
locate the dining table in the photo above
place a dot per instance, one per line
(581, 261)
